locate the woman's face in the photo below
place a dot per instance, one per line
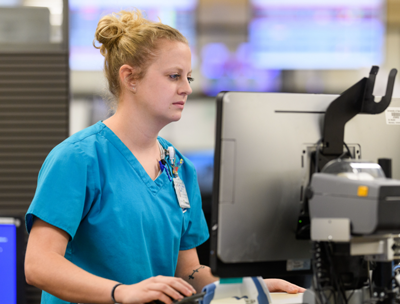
(163, 91)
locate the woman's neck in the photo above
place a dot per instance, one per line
(135, 132)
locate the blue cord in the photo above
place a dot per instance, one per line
(165, 168)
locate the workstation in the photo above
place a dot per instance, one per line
(267, 112)
(322, 228)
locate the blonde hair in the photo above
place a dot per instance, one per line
(127, 37)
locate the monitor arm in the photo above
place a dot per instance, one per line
(357, 99)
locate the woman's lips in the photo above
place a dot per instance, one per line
(179, 104)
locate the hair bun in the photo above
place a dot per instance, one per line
(112, 27)
(108, 32)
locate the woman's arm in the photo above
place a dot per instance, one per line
(198, 276)
(189, 269)
(47, 269)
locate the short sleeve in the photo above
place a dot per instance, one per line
(61, 197)
(196, 232)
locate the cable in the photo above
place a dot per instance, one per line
(369, 278)
(338, 284)
(396, 267)
(317, 155)
(348, 150)
(316, 277)
(358, 281)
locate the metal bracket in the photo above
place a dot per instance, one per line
(357, 99)
(378, 248)
(330, 229)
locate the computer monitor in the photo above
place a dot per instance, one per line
(264, 143)
(12, 252)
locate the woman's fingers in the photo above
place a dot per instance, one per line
(165, 289)
(178, 284)
(276, 285)
(159, 295)
(143, 292)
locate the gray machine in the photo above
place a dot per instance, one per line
(359, 193)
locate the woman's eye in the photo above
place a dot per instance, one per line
(174, 76)
(190, 79)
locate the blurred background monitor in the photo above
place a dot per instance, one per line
(12, 252)
(84, 16)
(223, 69)
(25, 25)
(295, 35)
(312, 34)
(264, 143)
(255, 45)
(203, 161)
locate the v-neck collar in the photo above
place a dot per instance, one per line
(153, 185)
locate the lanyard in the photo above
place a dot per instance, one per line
(171, 168)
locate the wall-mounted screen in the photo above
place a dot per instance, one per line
(312, 34)
(234, 70)
(85, 14)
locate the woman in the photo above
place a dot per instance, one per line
(117, 215)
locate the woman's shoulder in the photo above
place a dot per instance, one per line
(86, 135)
(80, 143)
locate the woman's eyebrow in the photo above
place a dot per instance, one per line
(179, 69)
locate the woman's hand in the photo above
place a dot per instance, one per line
(276, 285)
(165, 289)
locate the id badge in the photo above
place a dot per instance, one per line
(181, 193)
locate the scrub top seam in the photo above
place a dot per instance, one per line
(76, 144)
(92, 134)
(89, 179)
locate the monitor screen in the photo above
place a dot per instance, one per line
(311, 34)
(8, 261)
(85, 14)
(264, 143)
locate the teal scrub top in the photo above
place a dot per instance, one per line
(122, 225)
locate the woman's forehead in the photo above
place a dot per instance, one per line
(173, 54)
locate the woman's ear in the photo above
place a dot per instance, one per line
(127, 78)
